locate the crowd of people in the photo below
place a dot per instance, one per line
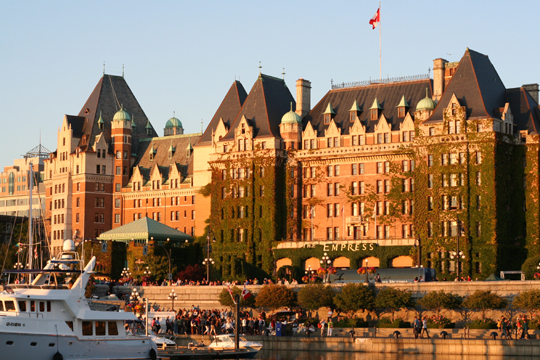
(179, 282)
(520, 327)
(213, 322)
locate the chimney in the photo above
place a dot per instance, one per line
(303, 97)
(532, 89)
(438, 78)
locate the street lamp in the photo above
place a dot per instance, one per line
(169, 253)
(208, 259)
(147, 272)
(208, 262)
(367, 272)
(173, 297)
(125, 274)
(457, 254)
(134, 297)
(325, 261)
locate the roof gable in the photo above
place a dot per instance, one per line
(227, 111)
(267, 102)
(477, 86)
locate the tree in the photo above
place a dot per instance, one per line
(191, 272)
(225, 298)
(354, 297)
(391, 300)
(485, 300)
(529, 267)
(439, 300)
(315, 296)
(159, 265)
(273, 297)
(528, 300)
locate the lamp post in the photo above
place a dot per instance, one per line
(134, 297)
(208, 262)
(18, 265)
(367, 274)
(457, 254)
(125, 274)
(325, 261)
(147, 272)
(173, 297)
(208, 259)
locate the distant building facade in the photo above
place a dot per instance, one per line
(388, 174)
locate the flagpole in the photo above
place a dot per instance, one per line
(380, 44)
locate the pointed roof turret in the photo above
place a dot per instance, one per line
(329, 110)
(375, 105)
(403, 102)
(355, 107)
(100, 120)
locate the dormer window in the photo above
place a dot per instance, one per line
(402, 107)
(243, 128)
(328, 113)
(374, 114)
(454, 109)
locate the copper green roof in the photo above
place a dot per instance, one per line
(144, 229)
(173, 123)
(355, 107)
(291, 117)
(426, 103)
(329, 110)
(403, 102)
(375, 105)
(122, 115)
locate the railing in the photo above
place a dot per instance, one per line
(378, 81)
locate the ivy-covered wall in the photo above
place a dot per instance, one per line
(249, 210)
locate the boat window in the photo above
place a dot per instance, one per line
(70, 324)
(22, 305)
(10, 305)
(1, 306)
(42, 306)
(32, 306)
(49, 306)
(100, 328)
(87, 328)
(113, 328)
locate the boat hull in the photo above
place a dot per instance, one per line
(39, 346)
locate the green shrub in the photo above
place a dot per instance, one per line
(440, 323)
(485, 324)
(397, 323)
(354, 322)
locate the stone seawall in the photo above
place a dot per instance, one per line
(207, 296)
(396, 346)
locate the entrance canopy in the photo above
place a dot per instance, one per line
(145, 229)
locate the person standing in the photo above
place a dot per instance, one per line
(330, 327)
(424, 328)
(525, 334)
(417, 327)
(322, 324)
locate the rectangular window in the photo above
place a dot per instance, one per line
(336, 189)
(379, 138)
(330, 190)
(117, 218)
(479, 157)
(336, 142)
(379, 186)
(118, 170)
(354, 188)
(361, 139)
(478, 178)
(361, 169)
(379, 168)
(430, 160)
(362, 188)
(336, 170)
(354, 140)
(329, 233)
(386, 167)
(329, 210)
(313, 172)
(116, 203)
(87, 328)
(405, 136)
(113, 329)
(430, 181)
(329, 142)
(386, 186)
(354, 169)
(329, 171)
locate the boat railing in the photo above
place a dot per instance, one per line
(28, 286)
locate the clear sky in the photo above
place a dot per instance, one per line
(183, 56)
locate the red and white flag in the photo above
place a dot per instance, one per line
(376, 19)
(246, 294)
(231, 293)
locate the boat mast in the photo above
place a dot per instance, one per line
(30, 233)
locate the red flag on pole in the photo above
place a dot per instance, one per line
(246, 294)
(375, 19)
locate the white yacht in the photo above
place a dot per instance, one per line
(45, 320)
(226, 341)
